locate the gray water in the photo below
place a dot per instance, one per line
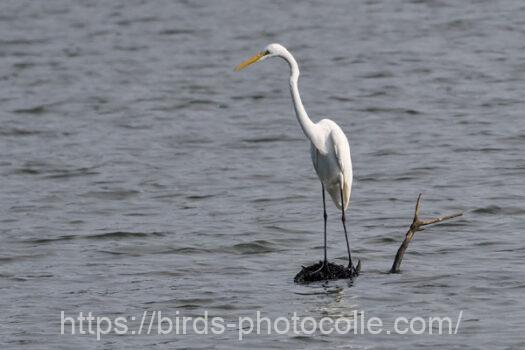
(140, 173)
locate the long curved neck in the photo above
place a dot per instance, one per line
(309, 127)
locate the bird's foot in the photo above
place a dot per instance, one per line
(324, 272)
(324, 269)
(354, 270)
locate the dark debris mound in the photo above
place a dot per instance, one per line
(318, 272)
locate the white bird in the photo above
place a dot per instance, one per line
(330, 150)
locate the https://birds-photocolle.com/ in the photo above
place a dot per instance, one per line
(330, 150)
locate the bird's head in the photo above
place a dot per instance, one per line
(272, 50)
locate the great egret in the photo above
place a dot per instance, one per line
(329, 146)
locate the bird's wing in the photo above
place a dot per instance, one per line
(341, 150)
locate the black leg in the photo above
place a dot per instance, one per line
(325, 216)
(324, 266)
(343, 219)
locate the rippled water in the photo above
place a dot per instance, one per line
(139, 172)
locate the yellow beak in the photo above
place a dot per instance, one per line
(249, 61)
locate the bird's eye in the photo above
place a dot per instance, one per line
(266, 52)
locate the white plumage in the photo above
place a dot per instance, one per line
(333, 165)
(330, 150)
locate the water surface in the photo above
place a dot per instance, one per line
(140, 173)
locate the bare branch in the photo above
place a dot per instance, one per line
(437, 220)
(417, 225)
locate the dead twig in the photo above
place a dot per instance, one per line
(417, 225)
